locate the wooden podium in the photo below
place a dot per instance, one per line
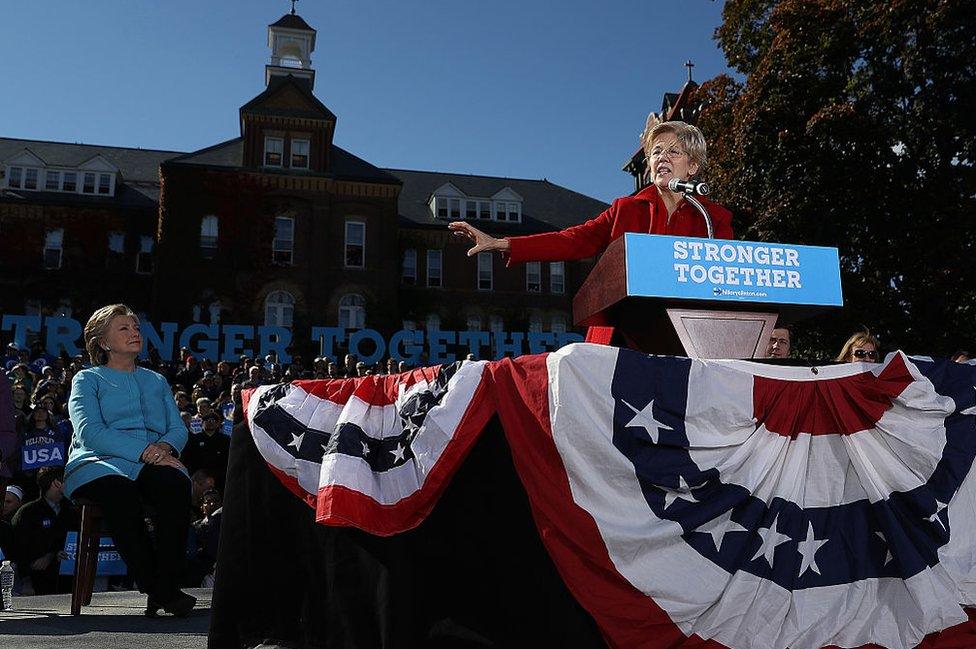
(704, 298)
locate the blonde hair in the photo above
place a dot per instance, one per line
(690, 137)
(859, 339)
(97, 327)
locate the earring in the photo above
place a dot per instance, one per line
(106, 348)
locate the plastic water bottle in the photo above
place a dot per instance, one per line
(7, 585)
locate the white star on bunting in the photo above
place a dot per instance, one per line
(888, 556)
(296, 440)
(365, 449)
(398, 453)
(808, 551)
(683, 492)
(771, 539)
(645, 419)
(935, 518)
(717, 528)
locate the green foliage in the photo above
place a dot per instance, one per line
(856, 128)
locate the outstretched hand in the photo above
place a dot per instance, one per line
(482, 242)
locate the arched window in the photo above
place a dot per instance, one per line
(432, 322)
(214, 309)
(208, 236)
(474, 322)
(279, 308)
(535, 323)
(352, 311)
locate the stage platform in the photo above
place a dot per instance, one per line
(113, 621)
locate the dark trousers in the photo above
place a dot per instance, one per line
(157, 570)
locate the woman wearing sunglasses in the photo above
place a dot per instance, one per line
(859, 348)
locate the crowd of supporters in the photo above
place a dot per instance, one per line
(35, 434)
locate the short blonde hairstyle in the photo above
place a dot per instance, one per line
(859, 339)
(97, 327)
(690, 137)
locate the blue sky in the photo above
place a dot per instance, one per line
(530, 89)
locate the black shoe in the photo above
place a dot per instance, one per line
(179, 606)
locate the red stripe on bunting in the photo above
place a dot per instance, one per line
(627, 617)
(839, 406)
(377, 390)
(345, 507)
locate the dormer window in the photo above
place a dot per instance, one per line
(104, 184)
(299, 154)
(273, 147)
(14, 176)
(30, 179)
(484, 210)
(441, 207)
(471, 210)
(455, 209)
(52, 181)
(89, 186)
(70, 183)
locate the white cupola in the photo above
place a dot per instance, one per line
(292, 42)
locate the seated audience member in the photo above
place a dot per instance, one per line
(780, 342)
(207, 531)
(124, 453)
(961, 356)
(18, 392)
(861, 347)
(13, 498)
(253, 378)
(202, 481)
(208, 448)
(40, 528)
(8, 432)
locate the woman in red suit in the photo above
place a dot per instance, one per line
(674, 150)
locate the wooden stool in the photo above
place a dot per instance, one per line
(86, 553)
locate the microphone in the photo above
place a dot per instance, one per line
(688, 186)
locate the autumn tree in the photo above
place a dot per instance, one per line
(855, 127)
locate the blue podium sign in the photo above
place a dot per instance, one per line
(732, 271)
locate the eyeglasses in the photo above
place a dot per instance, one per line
(866, 353)
(671, 153)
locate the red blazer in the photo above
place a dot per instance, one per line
(642, 212)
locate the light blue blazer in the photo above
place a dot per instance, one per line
(115, 415)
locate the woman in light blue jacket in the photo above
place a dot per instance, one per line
(124, 452)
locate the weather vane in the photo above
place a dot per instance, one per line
(688, 63)
(293, 6)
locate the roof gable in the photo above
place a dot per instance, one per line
(507, 194)
(450, 190)
(25, 157)
(98, 163)
(288, 96)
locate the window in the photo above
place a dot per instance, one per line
(485, 281)
(535, 324)
(30, 179)
(557, 277)
(484, 210)
(558, 324)
(70, 182)
(514, 213)
(471, 209)
(52, 181)
(474, 322)
(208, 236)
(116, 242)
(410, 325)
(104, 183)
(14, 175)
(279, 309)
(284, 241)
(434, 269)
(455, 208)
(144, 264)
(214, 310)
(53, 246)
(272, 151)
(409, 274)
(432, 323)
(500, 211)
(441, 204)
(89, 186)
(352, 311)
(299, 154)
(355, 244)
(533, 277)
